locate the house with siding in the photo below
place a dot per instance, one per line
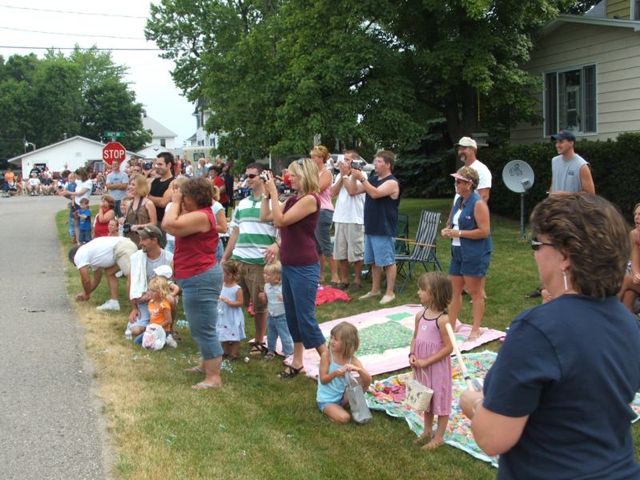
(589, 66)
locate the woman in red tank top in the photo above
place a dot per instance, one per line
(197, 272)
(104, 216)
(297, 221)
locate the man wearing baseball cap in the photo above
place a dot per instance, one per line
(144, 262)
(569, 171)
(467, 149)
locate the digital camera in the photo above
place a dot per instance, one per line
(358, 164)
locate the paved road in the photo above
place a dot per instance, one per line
(49, 422)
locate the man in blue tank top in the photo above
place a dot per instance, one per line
(381, 224)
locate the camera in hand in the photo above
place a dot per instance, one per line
(358, 164)
(126, 228)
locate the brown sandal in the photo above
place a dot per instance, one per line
(290, 372)
(258, 349)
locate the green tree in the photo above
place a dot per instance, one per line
(365, 74)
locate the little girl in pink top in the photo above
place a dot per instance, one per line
(430, 354)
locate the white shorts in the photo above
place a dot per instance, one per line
(349, 242)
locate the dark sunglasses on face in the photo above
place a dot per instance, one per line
(251, 175)
(535, 244)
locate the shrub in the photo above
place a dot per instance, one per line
(614, 164)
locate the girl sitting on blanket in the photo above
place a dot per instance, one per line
(430, 354)
(334, 363)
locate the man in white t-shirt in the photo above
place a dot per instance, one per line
(467, 149)
(33, 185)
(108, 254)
(348, 217)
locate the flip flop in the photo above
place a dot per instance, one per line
(204, 386)
(196, 369)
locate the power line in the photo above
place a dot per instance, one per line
(71, 12)
(70, 34)
(81, 48)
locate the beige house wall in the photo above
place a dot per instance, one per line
(616, 54)
(619, 9)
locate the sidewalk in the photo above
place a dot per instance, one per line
(49, 422)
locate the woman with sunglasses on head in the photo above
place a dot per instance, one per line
(470, 231)
(297, 220)
(556, 401)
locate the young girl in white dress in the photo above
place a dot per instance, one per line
(230, 317)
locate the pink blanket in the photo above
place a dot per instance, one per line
(375, 356)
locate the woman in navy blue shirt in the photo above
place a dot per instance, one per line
(556, 401)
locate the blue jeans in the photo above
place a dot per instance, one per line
(299, 289)
(200, 301)
(277, 327)
(85, 236)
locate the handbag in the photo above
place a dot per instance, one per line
(418, 397)
(359, 410)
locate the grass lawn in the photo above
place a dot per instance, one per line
(258, 425)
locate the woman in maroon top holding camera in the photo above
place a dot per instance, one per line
(297, 221)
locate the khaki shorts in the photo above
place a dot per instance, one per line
(122, 252)
(349, 242)
(252, 283)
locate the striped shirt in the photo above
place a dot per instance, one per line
(254, 236)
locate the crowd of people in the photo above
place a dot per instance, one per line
(542, 406)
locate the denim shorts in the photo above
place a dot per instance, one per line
(475, 266)
(379, 250)
(323, 405)
(323, 233)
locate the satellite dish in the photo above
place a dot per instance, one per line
(518, 176)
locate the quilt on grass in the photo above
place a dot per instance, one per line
(385, 337)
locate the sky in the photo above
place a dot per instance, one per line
(112, 24)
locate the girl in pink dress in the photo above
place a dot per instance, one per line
(430, 354)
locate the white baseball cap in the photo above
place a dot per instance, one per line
(467, 142)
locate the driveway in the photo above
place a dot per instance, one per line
(49, 422)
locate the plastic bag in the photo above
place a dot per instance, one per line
(359, 410)
(418, 397)
(154, 337)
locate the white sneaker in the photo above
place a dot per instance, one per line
(112, 305)
(171, 342)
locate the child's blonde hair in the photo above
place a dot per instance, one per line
(274, 268)
(159, 284)
(232, 268)
(439, 287)
(348, 335)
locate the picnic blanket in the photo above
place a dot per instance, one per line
(388, 395)
(385, 337)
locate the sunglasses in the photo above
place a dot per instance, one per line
(251, 175)
(535, 244)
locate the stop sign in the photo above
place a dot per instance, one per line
(113, 151)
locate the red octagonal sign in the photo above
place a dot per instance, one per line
(113, 151)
